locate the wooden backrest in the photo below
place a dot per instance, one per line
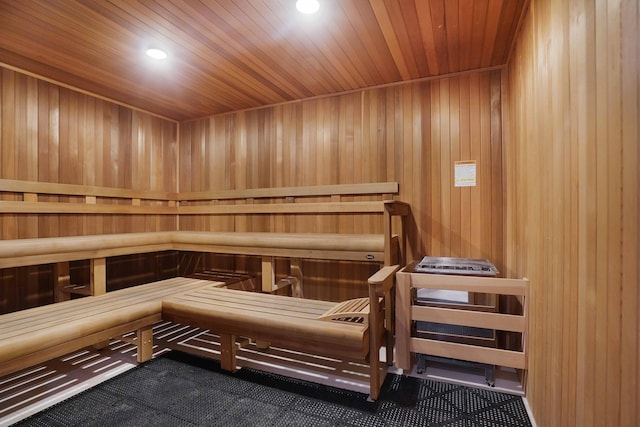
(97, 200)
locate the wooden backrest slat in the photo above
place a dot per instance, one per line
(285, 208)
(284, 192)
(17, 186)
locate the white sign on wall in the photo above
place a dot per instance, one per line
(465, 173)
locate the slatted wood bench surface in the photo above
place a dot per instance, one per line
(304, 325)
(35, 335)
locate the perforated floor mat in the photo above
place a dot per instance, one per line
(184, 390)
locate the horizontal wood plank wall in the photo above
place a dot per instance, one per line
(411, 133)
(572, 102)
(53, 134)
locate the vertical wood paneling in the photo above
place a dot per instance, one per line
(52, 134)
(573, 206)
(410, 133)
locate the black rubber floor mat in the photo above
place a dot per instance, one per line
(183, 390)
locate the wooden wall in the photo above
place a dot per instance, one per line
(411, 133)
(571, 147)
(52, 134)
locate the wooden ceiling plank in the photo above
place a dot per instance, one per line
(250, 54)
(480, 11)
(439, 25)
(284, 42)
(238, 77)
(423, 9)
(491, 31)
(230, 55)
(451, 11)
(507, 26)
(365, 25)
(341, 30)
(384, 21)
(411, 37)
(465, 22)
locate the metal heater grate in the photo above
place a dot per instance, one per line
(460, 266)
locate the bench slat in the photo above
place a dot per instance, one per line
(23, 323)
(246, 306)
(141, 293)
(283, 192)
(304, 334)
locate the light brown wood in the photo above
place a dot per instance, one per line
(144, 338)
(472, 353)
(244, 54)
(408, 311)
(572, 86)
(293, 323)
(283, 208)
(98, 274)
(268, 274)
(32, 336)
(286, 192)
(396, 136)
(365, 248)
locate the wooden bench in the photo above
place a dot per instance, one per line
(35, 335)
(33, 199)
(101, 319)
(315, 327)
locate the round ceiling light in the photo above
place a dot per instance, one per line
(307, 6)
(156, 53)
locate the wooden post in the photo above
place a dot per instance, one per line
(403, 321)
(145, 343)
(62, 278)
(98, 276)
(388, 260)
(268, 274)
(296, 271)
(228, 352)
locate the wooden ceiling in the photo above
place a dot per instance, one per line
(228, 55)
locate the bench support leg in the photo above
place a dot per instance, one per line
(98, 276)
(145, 343)
(228, 352)
(268, 274)
(62, 278)
(296, 271)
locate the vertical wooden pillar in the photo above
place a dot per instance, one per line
(388, 260)
(268, 274)
(228, 352)
(62, 279)
(403, 321)
(145, 343)
(296, 271)
(98, 276)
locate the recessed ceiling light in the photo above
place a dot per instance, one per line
(156, 53)
(307, 6)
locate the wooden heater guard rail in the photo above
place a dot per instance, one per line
(407, 312)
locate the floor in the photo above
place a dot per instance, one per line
(30, 391)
